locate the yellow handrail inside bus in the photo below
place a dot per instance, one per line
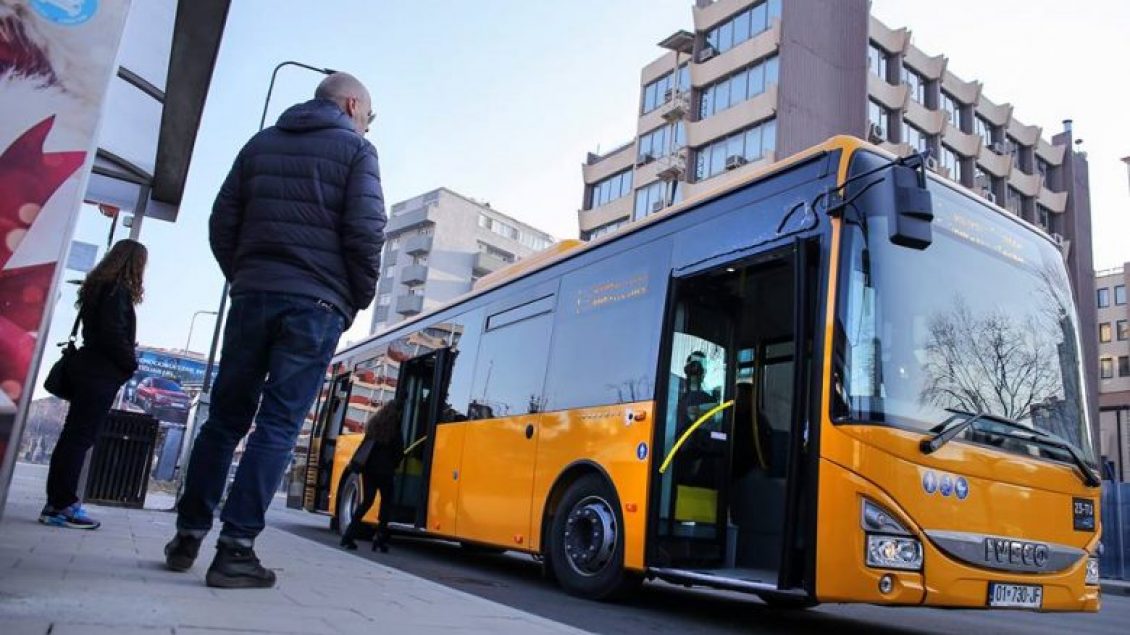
(414, 444)
(694, 426)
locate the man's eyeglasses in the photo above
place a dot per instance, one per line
(371, 118)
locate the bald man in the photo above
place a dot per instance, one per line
(297, 230)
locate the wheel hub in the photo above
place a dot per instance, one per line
(590, 535)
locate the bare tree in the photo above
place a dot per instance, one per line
(989, 362)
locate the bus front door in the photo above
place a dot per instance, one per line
(723, 492)
(420, 386)
(323, 442)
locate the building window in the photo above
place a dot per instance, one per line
(659, 91)
(1124, 366)
(421, 260)
(610, 189)
(916, 83)
(1015, 149)
(984, 129)
(1015, 201)
(659, 143)
(951, 163)
(743, 26)
(743, 85)
(649, 199)
(877, 61)
(1106, 368)
(1120, 294)
(915, 138)
(1104, 297)
(1042, 167)
(879, 117)
(538, 242)
(1104, 332)
(1044, 217)
(427, 231)
(394, 244)
(419, 290)
(953, 109)
(1123, 330)
(384, 299)
(498, 227)
(745, 146)
(604, 230)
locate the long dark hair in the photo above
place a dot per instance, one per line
(384, 425)
(123, 265)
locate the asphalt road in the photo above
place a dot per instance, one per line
(515, 580)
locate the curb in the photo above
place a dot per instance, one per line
(1115, 587)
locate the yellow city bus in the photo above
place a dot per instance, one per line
(841, 379)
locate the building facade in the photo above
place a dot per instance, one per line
(1114, 368)
(759, 80)
(437, 245)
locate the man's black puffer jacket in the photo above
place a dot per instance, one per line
(302, 211)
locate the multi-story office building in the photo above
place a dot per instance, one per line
(759, 80)
(1114, 367)
(437, 245)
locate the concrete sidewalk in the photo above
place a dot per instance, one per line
(113, 580)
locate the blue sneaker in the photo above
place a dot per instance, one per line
(72, 517)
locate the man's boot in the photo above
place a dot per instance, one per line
(182, 550)
(236, 567)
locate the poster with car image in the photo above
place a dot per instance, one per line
(165, 384)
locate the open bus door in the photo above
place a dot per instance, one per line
(330, 414)
(421, 386)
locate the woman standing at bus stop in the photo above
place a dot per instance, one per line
(97, 371)
(376, 459)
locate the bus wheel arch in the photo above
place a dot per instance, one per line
(583, 498)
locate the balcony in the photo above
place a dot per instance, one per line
(677, 105)
(672, 167)
(487, 263)
(414, 274)
(405, 220)
(417, 245)
(409, 304)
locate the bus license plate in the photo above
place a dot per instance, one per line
(1020, 596)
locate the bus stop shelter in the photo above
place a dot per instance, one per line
(119, 85)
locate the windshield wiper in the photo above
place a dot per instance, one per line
(933, 444)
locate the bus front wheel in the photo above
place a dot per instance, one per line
(586, 546)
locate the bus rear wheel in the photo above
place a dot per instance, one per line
(349, 495)
(586, 542)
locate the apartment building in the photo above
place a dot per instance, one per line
(1114, 367)
(758, 80)
(437, 245)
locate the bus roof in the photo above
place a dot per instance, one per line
(566, 249)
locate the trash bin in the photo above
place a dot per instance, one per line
(121, 459)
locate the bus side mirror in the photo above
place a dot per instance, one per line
(913, 211)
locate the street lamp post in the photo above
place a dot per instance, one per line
(192, 325)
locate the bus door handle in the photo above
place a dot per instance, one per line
(529, 430)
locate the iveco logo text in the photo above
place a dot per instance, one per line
(1016, 552)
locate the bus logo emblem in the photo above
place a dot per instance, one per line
(641, 451)
(930, 482)
(946, 488)
(961, 488)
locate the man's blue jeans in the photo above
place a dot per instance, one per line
(276, 351)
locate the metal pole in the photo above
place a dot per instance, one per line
(192, 325)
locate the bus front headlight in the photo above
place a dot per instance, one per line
(1092, 577)
(889, 544)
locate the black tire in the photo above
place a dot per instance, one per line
(349, 495)
(586, 542)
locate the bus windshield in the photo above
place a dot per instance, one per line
(979, 322)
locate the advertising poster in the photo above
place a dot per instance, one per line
(57, 58)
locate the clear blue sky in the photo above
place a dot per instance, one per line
(500, 100)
